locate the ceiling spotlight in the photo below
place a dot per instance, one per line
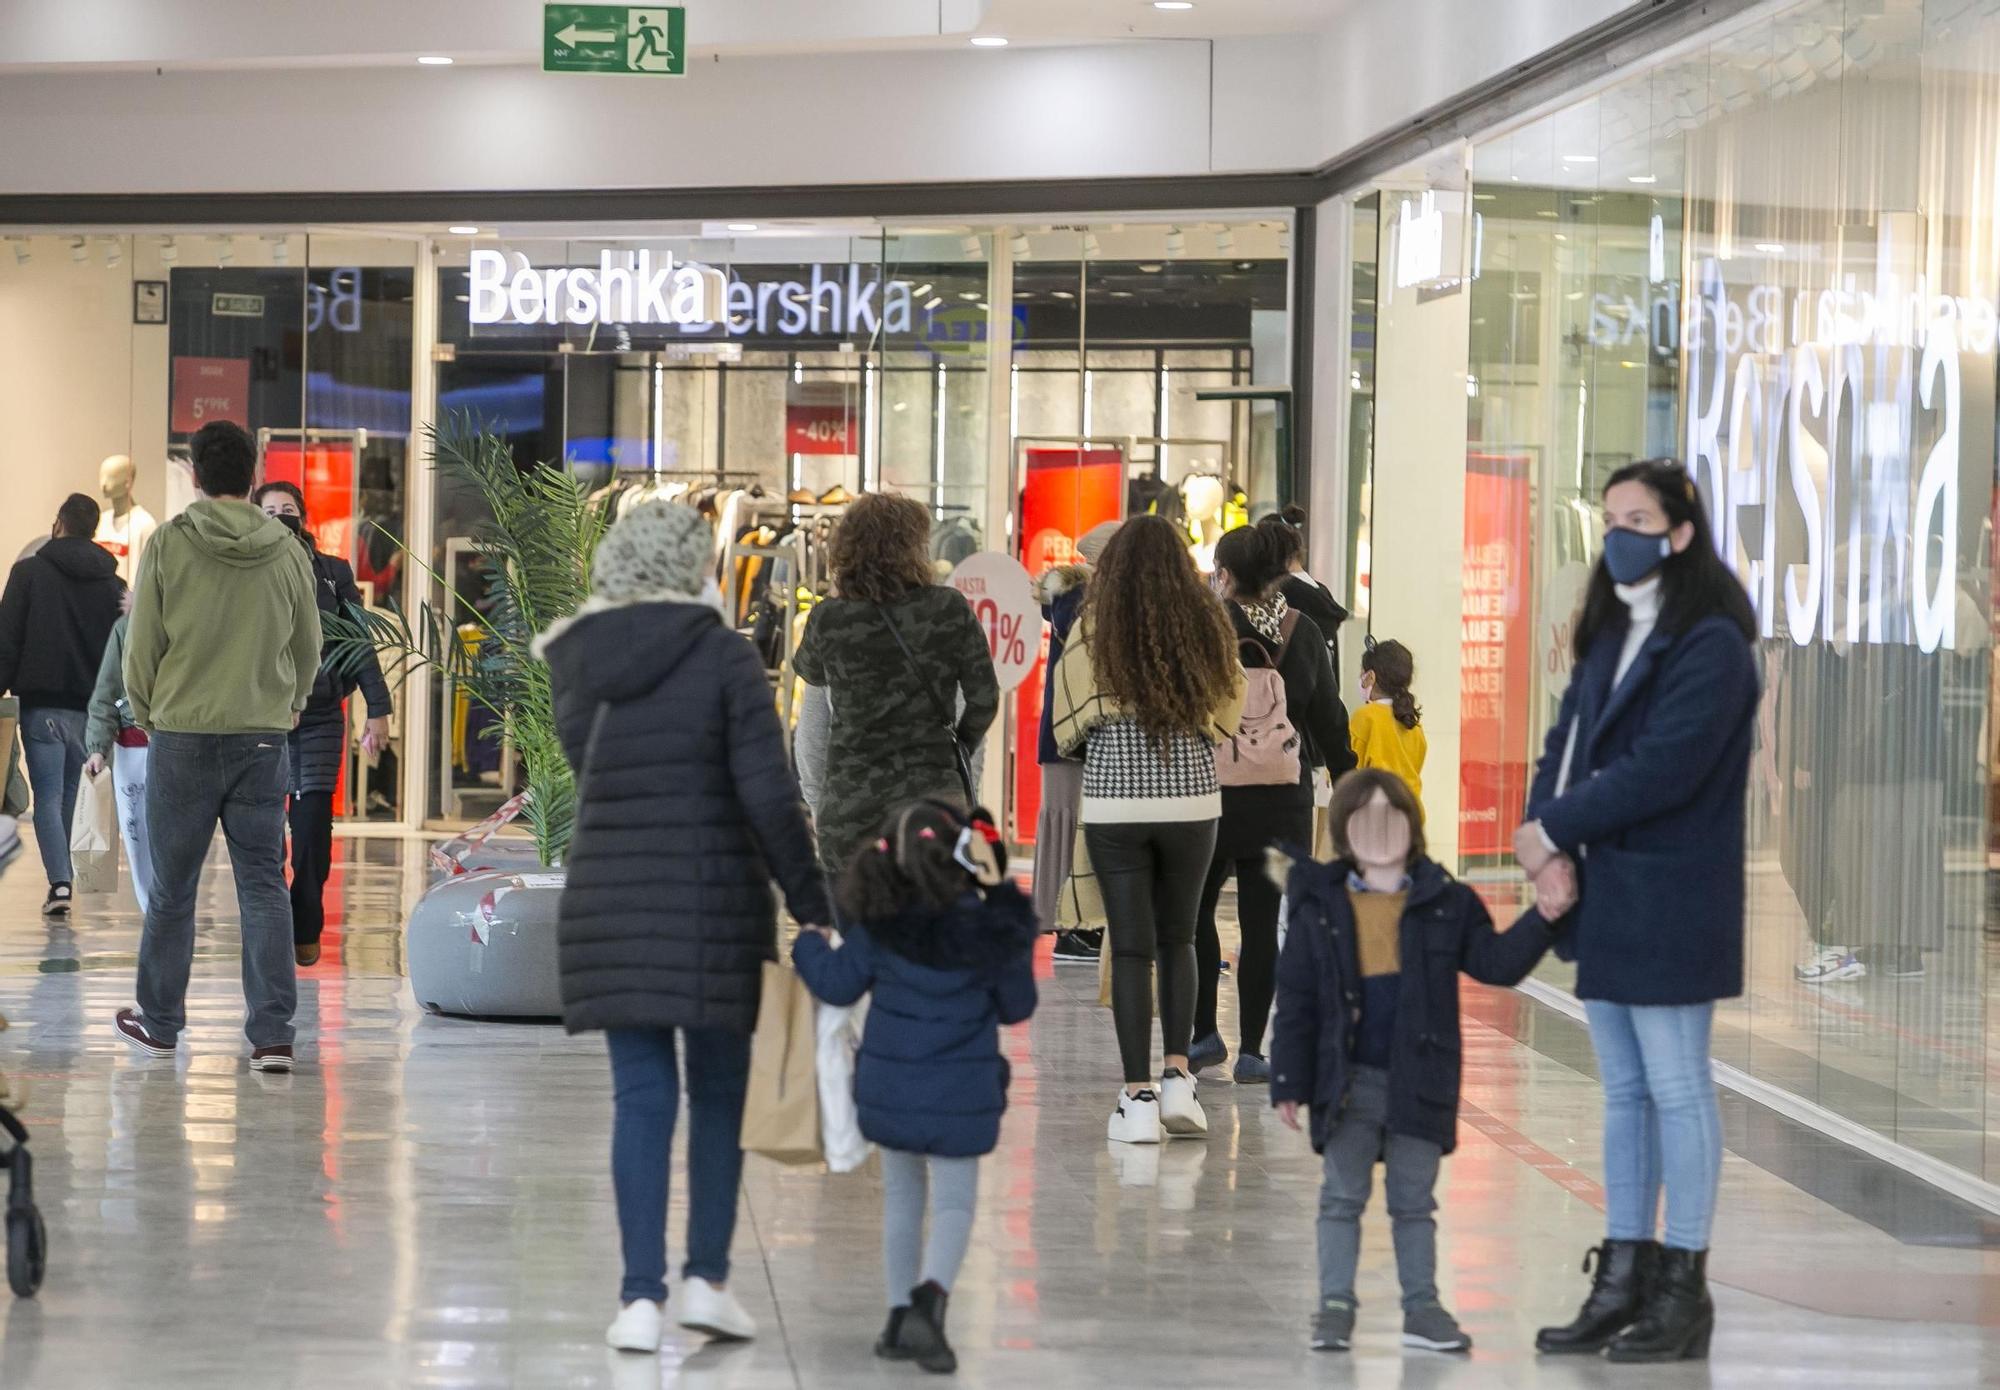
(1642, 178)
(1771, 248)
(988, 41)
(225, 251)
(114, 252)
(79, 250)
(1063, 294)
(1176, 242)
(170, 250)
(742, 226)
(463, 230)
(1150, 267)
(924, 288)
(281, 251)
(435, 60)
(22, 251)
(1173, 4)
(1579, 159)
(971, 246)
(968, 294)
(1225, 241)
(1018, 244)
(933, 302)
(1091, 246)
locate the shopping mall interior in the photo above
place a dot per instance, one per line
(1422, 277)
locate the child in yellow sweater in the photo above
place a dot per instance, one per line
(1387, 727)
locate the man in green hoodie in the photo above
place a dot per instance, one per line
(220, 655)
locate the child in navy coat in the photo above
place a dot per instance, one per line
(931, 927)
(1368, 1035)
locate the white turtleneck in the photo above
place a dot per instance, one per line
(1642, 605)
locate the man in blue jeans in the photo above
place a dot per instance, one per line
(55, 617)
(220, 655)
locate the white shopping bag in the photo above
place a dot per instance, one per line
(839, 1039)
(93, 836)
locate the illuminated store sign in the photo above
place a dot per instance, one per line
(1805, 414)
(694, 298)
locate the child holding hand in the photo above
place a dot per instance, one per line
(929, 924)
(1368, 1036)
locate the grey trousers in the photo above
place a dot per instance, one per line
(953, 1190)
(1359, 1140)
(193, 781)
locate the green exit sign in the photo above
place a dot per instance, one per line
(647, 39)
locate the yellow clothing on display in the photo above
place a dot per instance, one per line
(1380, 741)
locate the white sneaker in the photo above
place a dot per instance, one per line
(636, 1328)
(1180, 1113)
(706, 1308)
(1831, 965)
(1137, 1118)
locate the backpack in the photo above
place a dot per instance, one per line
(1265, 751)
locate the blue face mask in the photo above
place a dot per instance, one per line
(1630, 556)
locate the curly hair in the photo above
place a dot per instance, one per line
(1160, 643)
(882, 548)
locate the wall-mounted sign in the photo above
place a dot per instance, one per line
(149, 301)
(237, 306)
(633, 288)
(648, 40)
(820, 418)
(207, 389)
(1419, 241)
(1825, 429)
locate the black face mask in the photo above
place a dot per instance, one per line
(296, 524)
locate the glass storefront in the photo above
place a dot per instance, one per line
(1012, 377)
(1775, 254)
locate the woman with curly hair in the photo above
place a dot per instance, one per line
(1148, 685)
(904, 667)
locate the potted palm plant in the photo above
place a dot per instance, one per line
(484, 942)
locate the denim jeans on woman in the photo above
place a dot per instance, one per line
(1662, 1124)
(192, 782)
(52, 743)
(647, 1095)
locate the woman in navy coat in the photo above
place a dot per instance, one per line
(1642, 784)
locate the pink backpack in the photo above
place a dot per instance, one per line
(1265, 750)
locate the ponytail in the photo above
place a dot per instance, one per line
(1394, 669)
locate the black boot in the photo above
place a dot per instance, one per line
(921, 1337)
(888, 1345)
(1625, 1272)
(1679, 1316)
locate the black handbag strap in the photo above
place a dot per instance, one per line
(937, 706)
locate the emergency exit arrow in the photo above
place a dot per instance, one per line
(571, 36)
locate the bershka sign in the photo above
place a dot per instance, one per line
(1804, 420)
(693, 298)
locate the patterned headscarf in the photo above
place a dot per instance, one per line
(659, 550)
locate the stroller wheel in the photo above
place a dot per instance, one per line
(27, 1250)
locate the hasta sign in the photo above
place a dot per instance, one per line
(1003, 599)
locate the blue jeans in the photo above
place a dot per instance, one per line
(193, 781)
(52, 742)
(1662, 1125)
(646, 1088)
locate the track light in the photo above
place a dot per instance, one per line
(1019, 246)
(114, 252)
(971, 246)
(1176, 242)
(22, 250)
(170, 250)
(225, 250)
(1090, 245)
(79, 250)
(1225, 241)
(281, 251)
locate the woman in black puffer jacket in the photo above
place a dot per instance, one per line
(686, 810)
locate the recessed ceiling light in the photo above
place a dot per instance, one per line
(1579, 159)
(988, 41)
(1643, 178)
(742, 226)
(463, 231)
(435, 60)
(1064, 294)
(1173, 4)
(1770, 248)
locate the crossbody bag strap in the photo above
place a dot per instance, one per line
(944, 715)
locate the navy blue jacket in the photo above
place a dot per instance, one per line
(1061, 612)
(1445, 929)
(1656, 808)
(930, 1078)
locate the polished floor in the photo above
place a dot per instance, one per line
(427, 1203)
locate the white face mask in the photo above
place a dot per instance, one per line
(1379, 835)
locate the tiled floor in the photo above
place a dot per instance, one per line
(427, 1204)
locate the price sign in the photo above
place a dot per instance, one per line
(210, 388)
(1003, 599)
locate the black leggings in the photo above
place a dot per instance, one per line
(1150, 876)
(312, 861)
(1257, 901)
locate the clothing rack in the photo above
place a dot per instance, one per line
(789, 550)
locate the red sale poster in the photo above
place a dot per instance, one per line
(1064, 494)
(325, 474)
(820, 419)
(1495, 649)
(210, 388)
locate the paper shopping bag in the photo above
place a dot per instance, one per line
(781, 1107)
(93, 836)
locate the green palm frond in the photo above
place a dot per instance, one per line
(535, 551)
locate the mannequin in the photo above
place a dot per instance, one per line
(125, 526)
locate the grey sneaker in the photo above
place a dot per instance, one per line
(1251, 1070)
(1333, 1326)
(1429, 1326)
